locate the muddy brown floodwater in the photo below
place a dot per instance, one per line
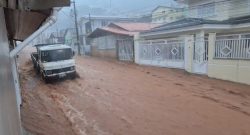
(115, 98)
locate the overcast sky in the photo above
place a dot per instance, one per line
(107, 7)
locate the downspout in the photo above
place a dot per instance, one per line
(51, 20)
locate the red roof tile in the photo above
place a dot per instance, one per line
(138, 27)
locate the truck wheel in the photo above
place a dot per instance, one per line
(37, 70)
(45, 79)
(73, 76)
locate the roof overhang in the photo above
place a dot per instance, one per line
(23, 17)
(30, 5)
(192, 29)
(99, 32)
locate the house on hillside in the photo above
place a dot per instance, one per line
(56, 37)
(70, 38)
(90, 23)
(117, 40)
(217, 44)
(164, 14)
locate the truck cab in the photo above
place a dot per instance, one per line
(54, 61)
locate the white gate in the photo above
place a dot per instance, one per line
(163, 53)
(125, 49)
(200, 57)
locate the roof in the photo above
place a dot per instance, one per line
(189, 22)
(128, 29)
(238, 20)
(186, 22)
(136, 27)
(109, 17)
(20, 22)
(109, 30)
(54, 47)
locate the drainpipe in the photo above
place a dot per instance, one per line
(51, 20)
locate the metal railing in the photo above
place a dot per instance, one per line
(162, 50)
(232, 49)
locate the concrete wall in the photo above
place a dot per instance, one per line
(108, 53)
(9, 116)
(232, 70)
(105, 46)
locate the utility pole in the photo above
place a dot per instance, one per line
(77, 31)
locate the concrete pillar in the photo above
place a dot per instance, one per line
(136, 48)
(9, 116)
(189, 49)
(211, 47)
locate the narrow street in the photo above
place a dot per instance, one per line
(115, 98)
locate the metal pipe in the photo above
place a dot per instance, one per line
(51, 20)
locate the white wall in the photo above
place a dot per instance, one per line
(226, 69)
(9, 116)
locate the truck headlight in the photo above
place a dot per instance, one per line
(48, 72)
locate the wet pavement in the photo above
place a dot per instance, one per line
(115, 98)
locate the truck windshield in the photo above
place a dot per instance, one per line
(56, 55)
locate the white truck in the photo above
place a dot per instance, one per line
(54, 61)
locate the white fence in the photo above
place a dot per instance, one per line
(162, 50)
(232, 48)
(164, 53)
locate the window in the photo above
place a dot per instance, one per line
(206, 10)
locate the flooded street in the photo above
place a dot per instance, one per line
(115, 98)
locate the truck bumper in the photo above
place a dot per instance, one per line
(62, 75)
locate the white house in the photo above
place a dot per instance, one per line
(89, 23)
(217, 44)
(217, 9)
(116, 40)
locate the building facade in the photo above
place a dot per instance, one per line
(89, 23)
(163, 14)
(217, 9)
(116, 40)
(217, 46)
